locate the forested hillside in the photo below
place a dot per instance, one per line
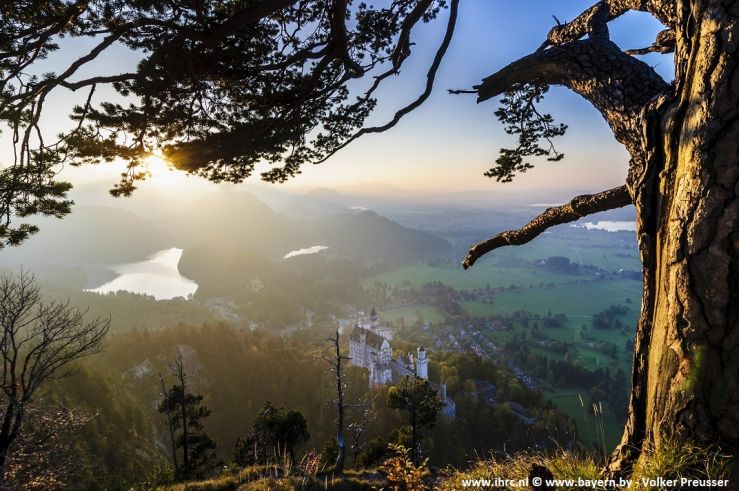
(237, 371)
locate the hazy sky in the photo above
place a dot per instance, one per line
(448, 143)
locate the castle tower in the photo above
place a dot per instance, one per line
(364, 353)
(374, 319)
(422, 364)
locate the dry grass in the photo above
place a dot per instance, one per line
(277, 478)
(672, 460)
(564, 465)
(675, 460)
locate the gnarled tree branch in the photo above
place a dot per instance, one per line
(100, 79)
(402, 48)
(663, 10)
(617, 84)
(579, 207)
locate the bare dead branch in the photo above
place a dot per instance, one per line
(664, 43)
(358, 428)
(461, 91)
(170, 423)
(579, 207)
(39, 341)
(339, 403)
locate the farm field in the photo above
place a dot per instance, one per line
(609, 251)
(606, 250)
(571, 335)
(415, 275)
(412, 313)
(578, 300)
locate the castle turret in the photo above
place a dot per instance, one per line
(374, 319)
(422, 364)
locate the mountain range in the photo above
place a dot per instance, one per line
(229, 224)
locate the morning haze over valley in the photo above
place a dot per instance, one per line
(411, 245)
(550, 322)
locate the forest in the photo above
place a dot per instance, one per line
(125, 436)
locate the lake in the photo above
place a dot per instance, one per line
(157, 276)
(608, 225)
(307, 250)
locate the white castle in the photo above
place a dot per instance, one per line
(369, 347)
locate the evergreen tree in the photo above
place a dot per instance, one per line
(275, 428)
(416, 396)
(250, 450)
(185, 412)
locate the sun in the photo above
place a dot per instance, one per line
(157, 164)
(160, 169)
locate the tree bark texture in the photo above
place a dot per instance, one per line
(683, 140)
(686, 363)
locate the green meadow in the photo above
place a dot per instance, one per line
(578, 300)
(413, 313)
(415, 275)
(595, 431)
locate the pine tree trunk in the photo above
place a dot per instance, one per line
(3, 460)
(170, 425)
(686, 364)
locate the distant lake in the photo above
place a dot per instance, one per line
(307, 250)
(157, 276)
(608, 225)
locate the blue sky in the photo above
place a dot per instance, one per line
(451, 140)
(448, 143)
